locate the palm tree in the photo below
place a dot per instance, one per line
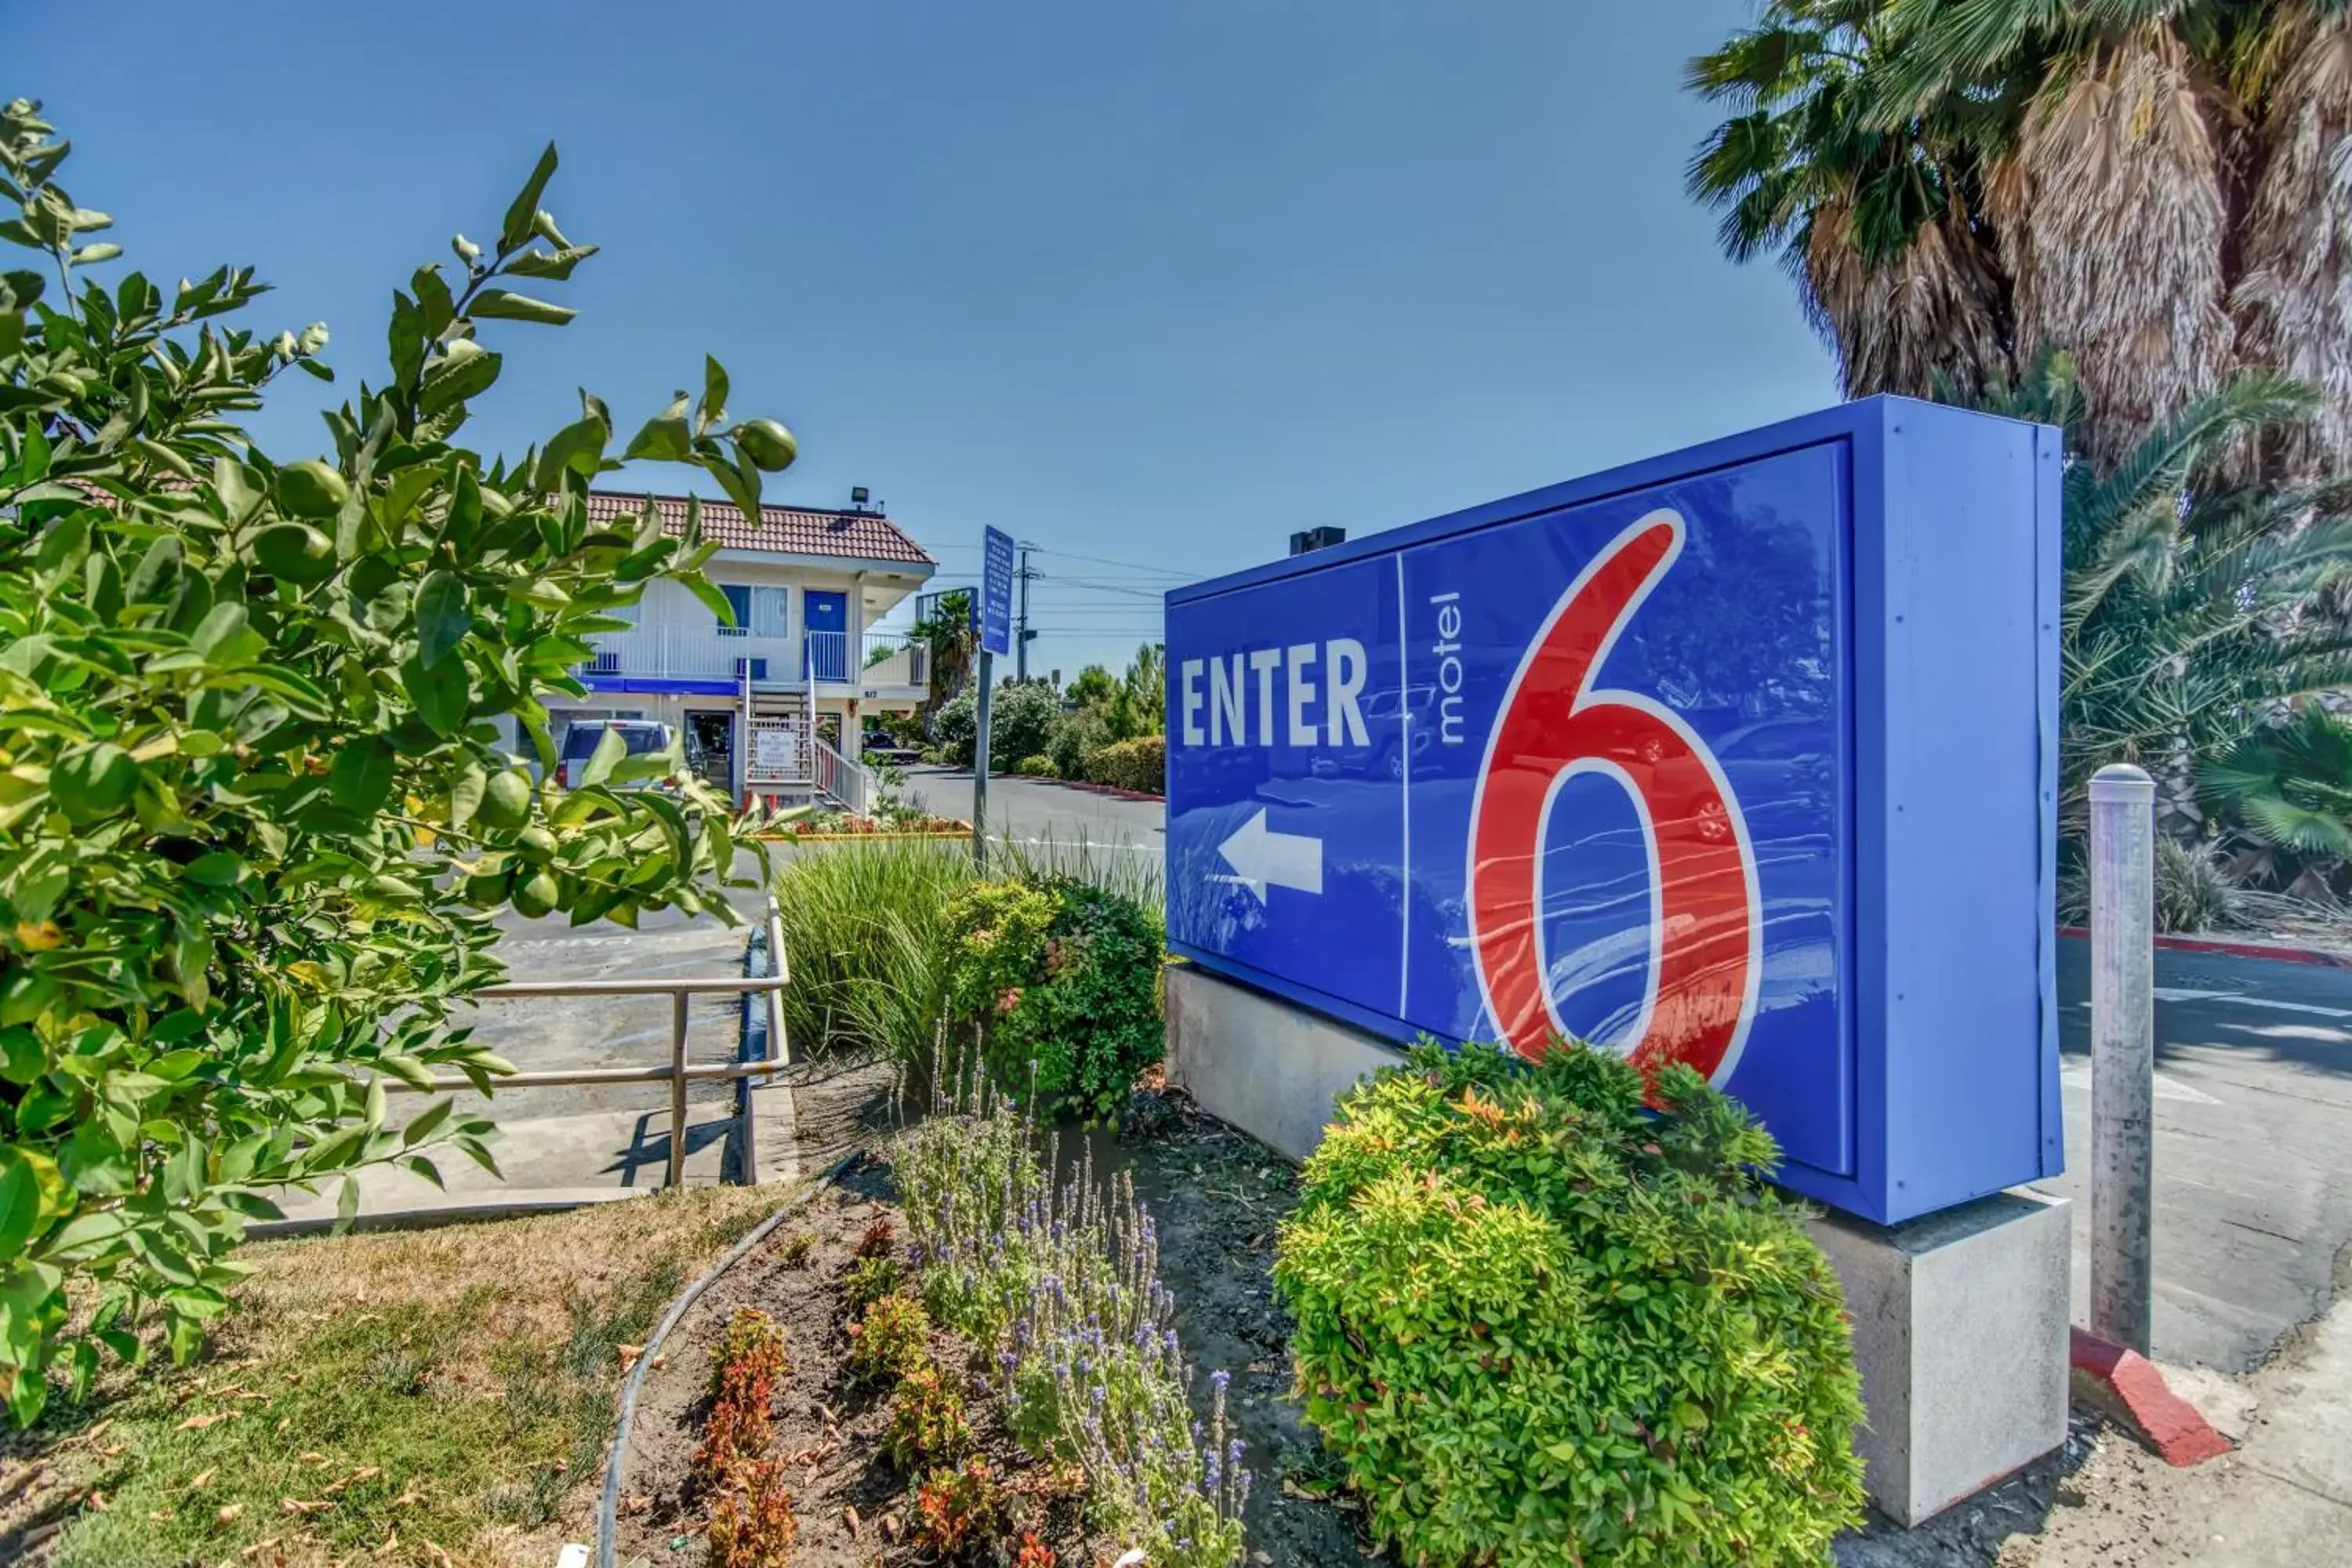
(2192, 607)
(1876, 220)
(2287, 794)
(2163, 186)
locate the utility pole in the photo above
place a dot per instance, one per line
(1021, 633)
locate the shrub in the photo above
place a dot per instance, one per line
(871, 1279)
(956, 1510)
(1034, 1553)
(881, 1239)
(927, 1425)
(861, 927)
(892, 1340)
(2193, 891)
(745, 1367)
(797, 1249)
(1140, 764)
(955, 729)
(1063, 983)
(1038, 767)
(1539, 1325)
(1063, 1285)
(753, 1527)
(1021, 723)
(254, 825)
(1082, 734)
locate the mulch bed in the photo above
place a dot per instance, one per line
(852, 1503)
(1217, 1196)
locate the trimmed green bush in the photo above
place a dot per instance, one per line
(1140, 764)
(1039, 767)
(955, 729)
(1541, 1325)
(1021, 723)
(1082, 735)
(1063, 981)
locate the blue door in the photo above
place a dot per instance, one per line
(829, 634)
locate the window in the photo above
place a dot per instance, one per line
(768, 611)
(739, 598)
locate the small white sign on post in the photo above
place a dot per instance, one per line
(772, 750)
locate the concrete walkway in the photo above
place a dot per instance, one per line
(565, 1146)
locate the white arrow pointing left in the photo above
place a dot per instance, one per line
(1261, 857)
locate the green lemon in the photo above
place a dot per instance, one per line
(506, 803)
(486, 890)
(295, 552)
(312, 489)
(534, 896)
(536, 845)
(769, 445)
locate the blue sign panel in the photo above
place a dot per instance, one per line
(1740, 758)
(997, 591)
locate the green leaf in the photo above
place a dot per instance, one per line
(465, 793)
(442, 694)
(442, 617)
(20, 1207)
(502, 305)
(93, 781)
(610, 749)
(524, 211)
(740, 481)
(360, 780)
(426, 1122)
(665, 437)
(464, 369)
(702, 588)
(221, 869)
(555, 266)
(713, 411)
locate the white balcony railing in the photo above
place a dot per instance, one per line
(872, 659)
(712, 653)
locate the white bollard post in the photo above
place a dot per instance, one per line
(2123, 1054)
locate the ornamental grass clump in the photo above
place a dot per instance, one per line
(1063, 1287)
(1541, 1325)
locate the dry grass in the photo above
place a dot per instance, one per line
(427, 1397)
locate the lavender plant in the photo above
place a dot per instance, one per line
(1063, 1285)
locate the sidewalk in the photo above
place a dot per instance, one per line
(2283, 1501)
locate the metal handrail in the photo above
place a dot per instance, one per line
(678, 1073)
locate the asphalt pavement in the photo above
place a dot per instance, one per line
(2253, 1104)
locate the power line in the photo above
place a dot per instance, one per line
(1122, 565)
(1105, 587)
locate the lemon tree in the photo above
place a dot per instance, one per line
(255, 821)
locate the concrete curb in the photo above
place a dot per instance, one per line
(2273, 951)
(1084, 786)
(2127, 1387)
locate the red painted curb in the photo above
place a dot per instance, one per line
(2137, 1392)
(1112, 790)
(2319, 956)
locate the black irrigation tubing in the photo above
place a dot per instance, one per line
(616, 1459)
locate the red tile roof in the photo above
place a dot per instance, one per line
(787, 530)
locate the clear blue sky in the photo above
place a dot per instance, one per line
(1153, 282)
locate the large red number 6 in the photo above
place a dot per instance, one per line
(1705, 925)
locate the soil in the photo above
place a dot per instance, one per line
(1217, 1196)
(851, 1503)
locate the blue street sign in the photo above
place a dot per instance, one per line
(1742, 757)
(997, 591)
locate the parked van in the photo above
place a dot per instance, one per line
(581, 738)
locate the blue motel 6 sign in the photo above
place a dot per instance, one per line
(1742, 757)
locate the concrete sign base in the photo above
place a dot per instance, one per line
(1959, 1319)
(1959, 1328)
